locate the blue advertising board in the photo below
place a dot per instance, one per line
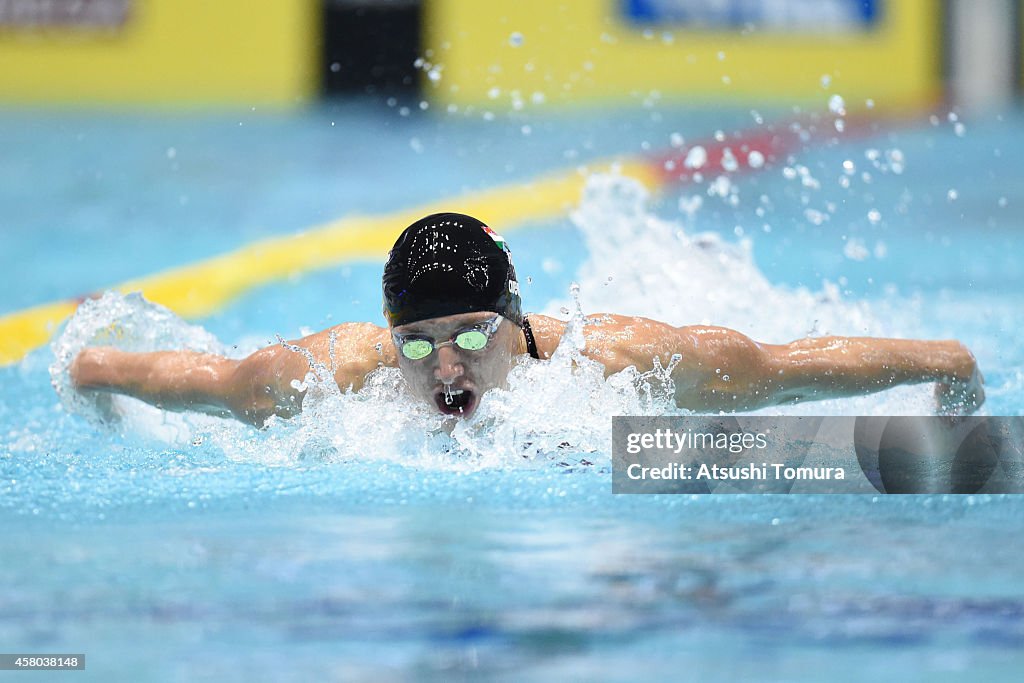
(797, 16)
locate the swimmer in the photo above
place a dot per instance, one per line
(455, 328)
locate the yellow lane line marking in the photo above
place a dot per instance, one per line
(202, 288)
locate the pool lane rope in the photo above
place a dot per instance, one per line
(202, 288)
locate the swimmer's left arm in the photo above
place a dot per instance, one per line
(721, 369)
(833, 367)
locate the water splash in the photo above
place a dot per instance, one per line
(127, 322)
(640, 264)
(552, 412)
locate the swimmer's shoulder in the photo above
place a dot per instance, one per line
(548, 331)
(359, 349)
(617, 331)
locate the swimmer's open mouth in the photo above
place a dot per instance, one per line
(452, 401)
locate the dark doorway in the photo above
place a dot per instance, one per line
(370, 46)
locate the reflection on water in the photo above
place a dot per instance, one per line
(525, 590)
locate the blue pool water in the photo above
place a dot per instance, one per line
(359, 547)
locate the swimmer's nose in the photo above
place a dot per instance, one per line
(449, 365)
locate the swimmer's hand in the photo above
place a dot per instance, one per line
(961, 397)
(86, 368)
(102, 402)
(76, 369)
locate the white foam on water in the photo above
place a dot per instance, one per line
(643, 265)
(640, 264)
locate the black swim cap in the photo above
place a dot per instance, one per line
(449, 263)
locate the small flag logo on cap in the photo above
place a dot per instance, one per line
(499, 240)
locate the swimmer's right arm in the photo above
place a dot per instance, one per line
(188, 380)
(251, 390)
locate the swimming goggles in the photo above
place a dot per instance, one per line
(474, 338)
